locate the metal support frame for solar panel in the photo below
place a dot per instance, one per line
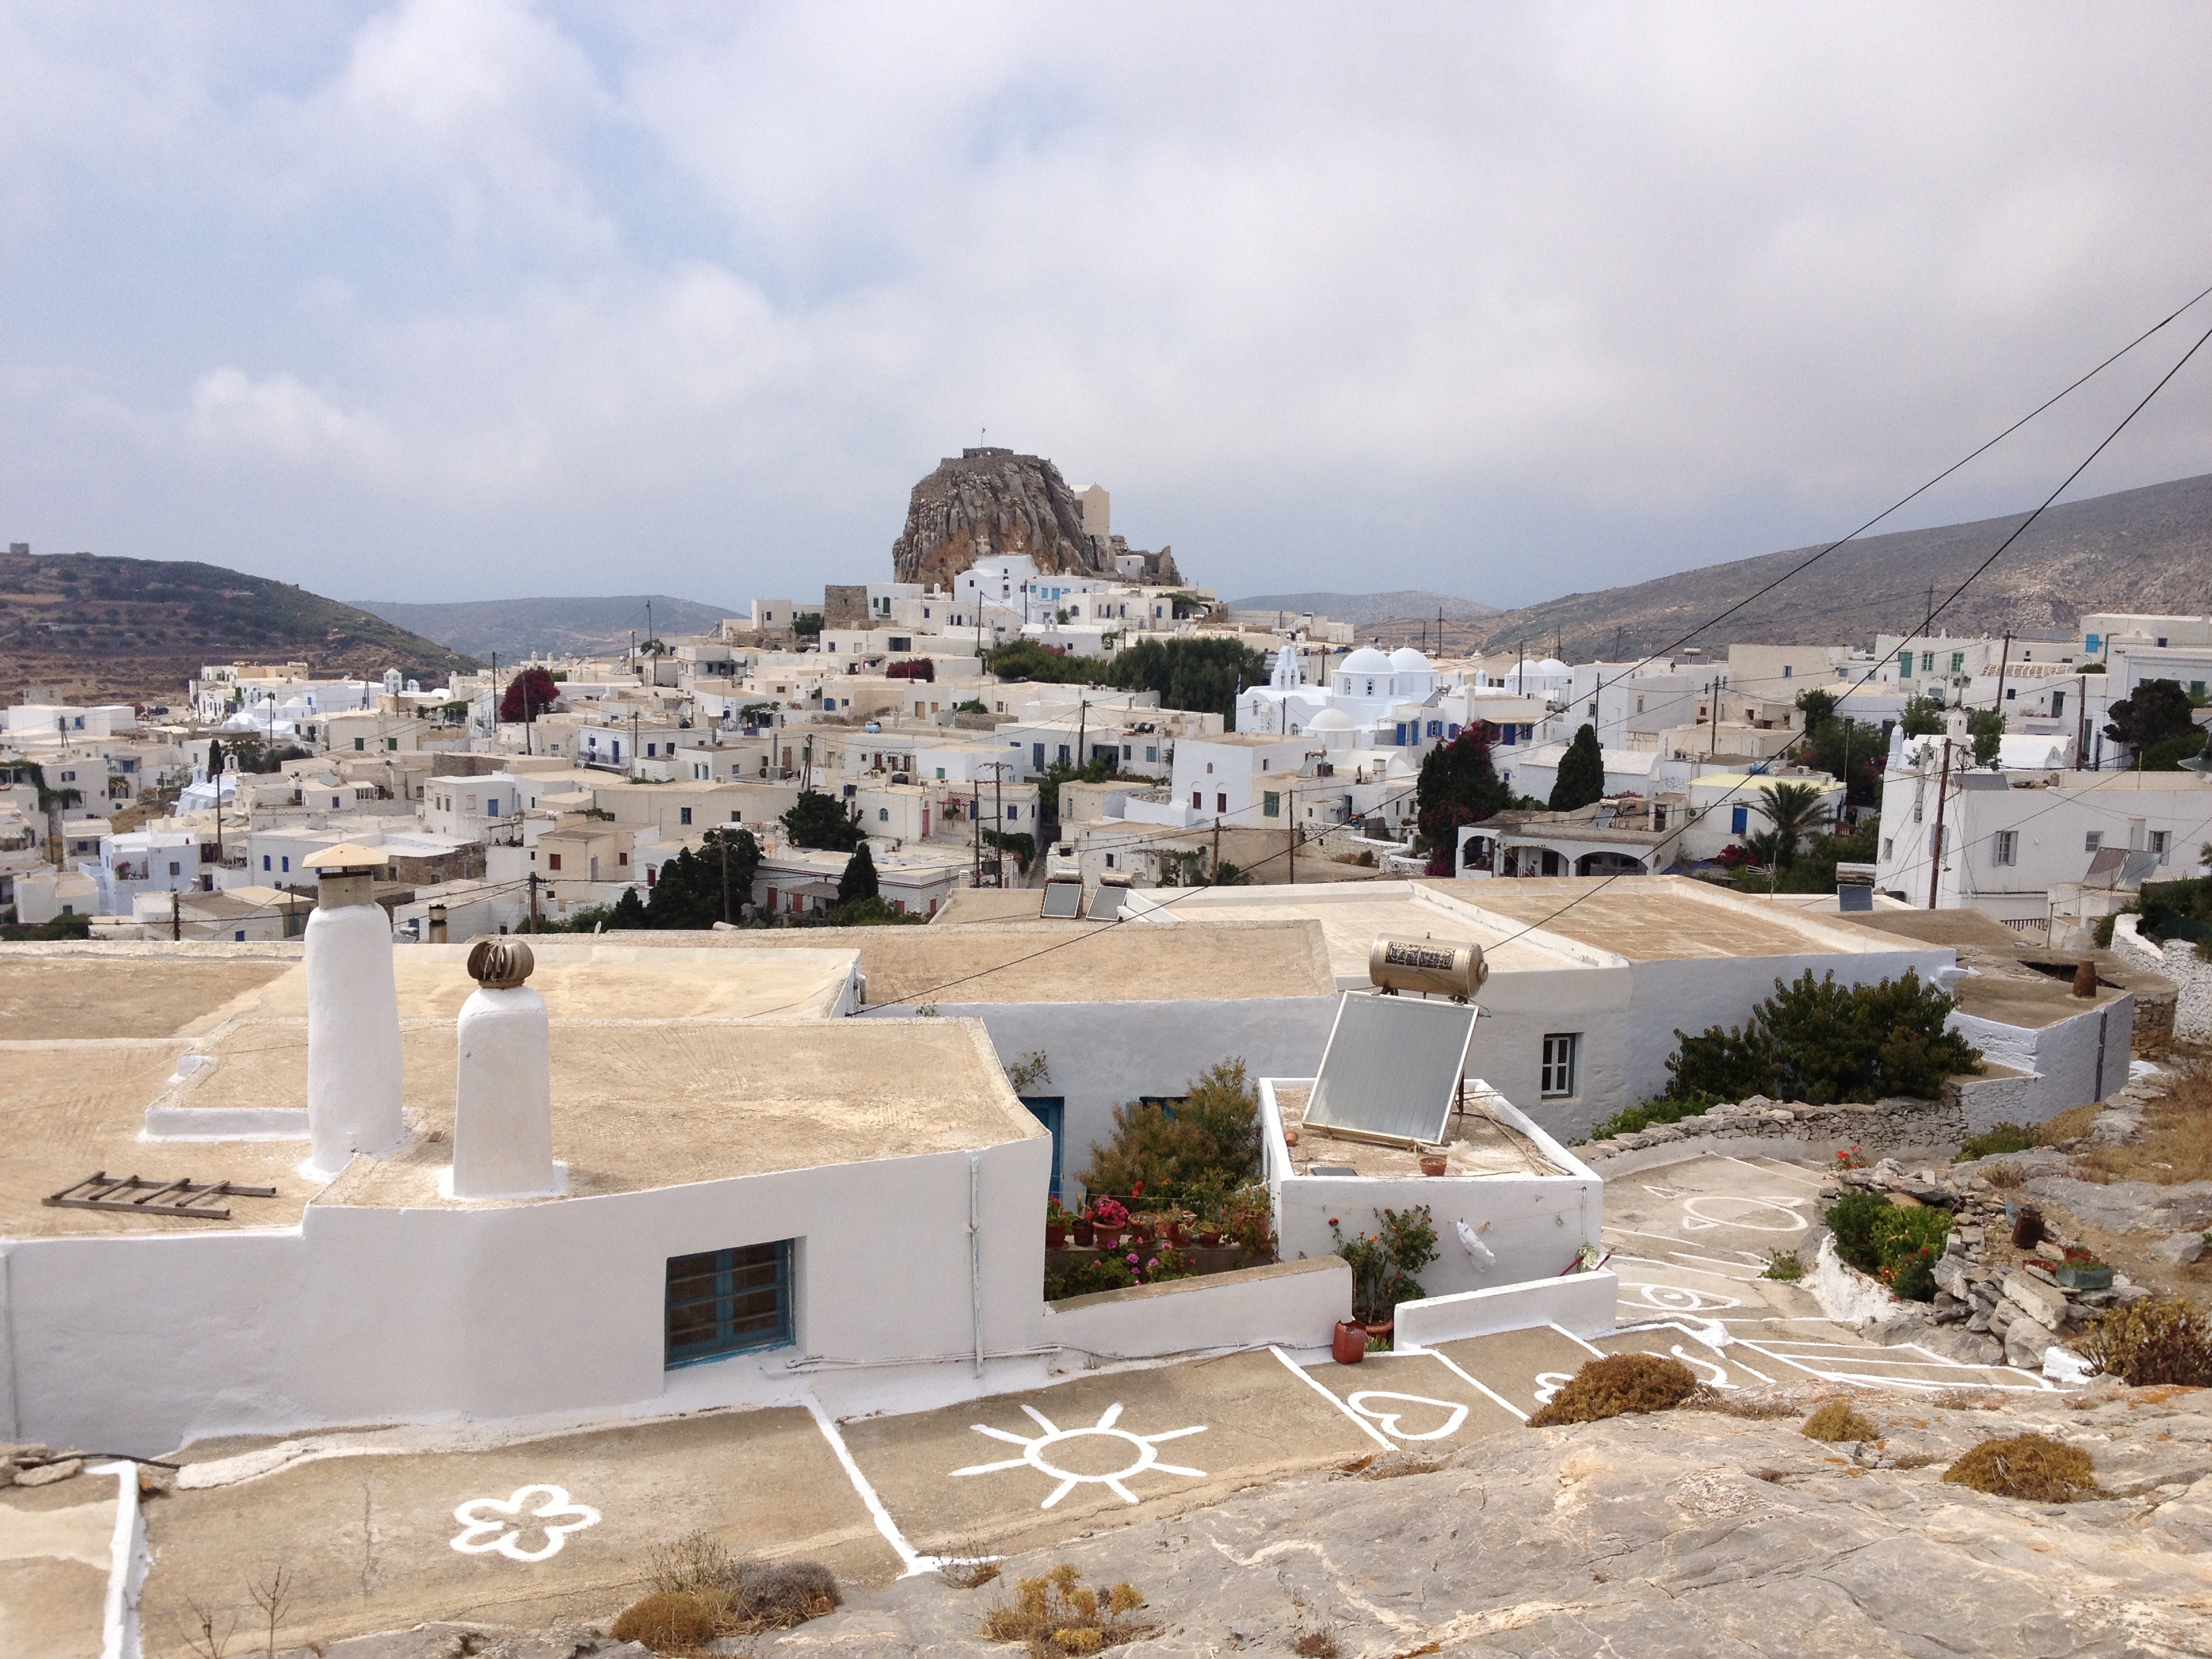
(1106, 904)
(102, 1191)
(1063, 900)
(1391, 1071)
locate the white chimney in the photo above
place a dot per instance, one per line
(353, 1015)
(503, 1095)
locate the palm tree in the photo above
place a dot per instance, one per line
(1793, 809)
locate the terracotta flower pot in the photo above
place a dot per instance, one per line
(1209, 1238)
(1383, 1329)
(1055, 1235)
(1106, 1238)
(1348, 1346)
(1085, 1234)
(1432, 1164)
(1289, 1137)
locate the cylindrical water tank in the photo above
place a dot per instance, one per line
(1449, 970)
(353, 1027)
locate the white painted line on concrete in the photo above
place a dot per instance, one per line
(1471, 1380)
(1685, 1266)
(1572, 1337)
(913, 1561)
(1351, 1416)
(120, 1621)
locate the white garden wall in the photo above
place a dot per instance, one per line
(2179, 961)
(1289, 1304)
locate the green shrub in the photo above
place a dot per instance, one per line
(1105, 1272)
(1998, 1138)
(1783, 1265)
(1211, 1139)
(1383, 1263)
(1630, 1119)
(1822, 1042)
(1898, 1247)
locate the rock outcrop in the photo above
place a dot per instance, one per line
(1690, 1533)
(988, 501)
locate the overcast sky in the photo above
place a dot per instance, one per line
(464, 299)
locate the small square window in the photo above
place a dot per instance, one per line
(684, 814)
(1271, 803)
(2004, 847)
(2093, 840)
(727, 1302)
(1560, 1052)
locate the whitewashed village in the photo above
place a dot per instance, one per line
(777, 1132)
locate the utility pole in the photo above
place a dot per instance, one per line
(176, 916)
(2004, 661)
(533, 901)
(723, 836)
(976, 819)
(2081, 722)
(998, 807)
(1713, 747)
(1217, 845)
(1935, 854)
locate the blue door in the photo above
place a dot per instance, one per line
(1050, 1111)
(1739, 819)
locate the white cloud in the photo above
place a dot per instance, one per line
(1508, 299)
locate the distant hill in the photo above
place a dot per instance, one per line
(555, 626)
(134, 630)
(1365, 608)
(2147, 549)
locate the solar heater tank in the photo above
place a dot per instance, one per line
(1456, 971)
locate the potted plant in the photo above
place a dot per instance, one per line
(2082, 1270)
(1433, 1163)
(1107, 1217)
(1055, 1226)
(1384, 1264)
(1085, 1234)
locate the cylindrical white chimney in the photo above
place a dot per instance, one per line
(353, 1015)
(503, 1089)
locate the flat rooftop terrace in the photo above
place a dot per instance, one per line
(1064, 961)
(1654, 918)
(1478, 1144)
(637, 1104)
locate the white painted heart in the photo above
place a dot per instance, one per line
(1455, 1413)
(503, 1532)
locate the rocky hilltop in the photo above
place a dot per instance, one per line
(988, 501)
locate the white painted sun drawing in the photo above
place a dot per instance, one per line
(1144, 1454)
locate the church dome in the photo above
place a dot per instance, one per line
(1553, 665)
(1405, 657)
(1365, 660)
(1331, 720)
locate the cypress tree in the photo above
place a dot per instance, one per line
(858, 881)
(1582, 773)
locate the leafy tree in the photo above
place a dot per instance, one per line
(1819, 706)
(1922, 718)
(1986, 727)
(1793, 810)
(690, 892)
(629, 911)
(1582, 773)
(1853, 752)
(973, 706)
(214, 758)
(1813, 869)
(912, 668)
(1821, 1043)
(1457, 786)
(1026, 660)
(807, 625)
(858, 881)
(1210, 1138)
(871, 912)
(1201, 675)
(1097, 770)
(2167, 755)
(2156, 711)
(821, 821)
(528, 695)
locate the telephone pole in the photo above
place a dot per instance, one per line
(723, 837)
(533, 901)
(176, 915)
(1935, 852)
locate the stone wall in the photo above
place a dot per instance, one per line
(1797, 1130)
(2179, 961)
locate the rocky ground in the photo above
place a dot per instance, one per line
(1690, 1533)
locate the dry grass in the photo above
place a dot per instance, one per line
(2033, 1467)
(1739, 1402)
(695, 1577)
(2004, 1176)
(1316, 1644)
(2070, 1125)
(2176, 1142)
(1836, 1421)
(667, 1621)
(1617, 1385)
(1056, 1616)
(2159, 1340)
(1967, 1400)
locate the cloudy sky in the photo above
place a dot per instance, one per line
(459, 299)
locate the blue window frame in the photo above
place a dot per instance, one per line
(1739, 819)
(1051, 1110)
(725, 1301)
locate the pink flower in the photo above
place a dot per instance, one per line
(1153, 1263)
(1133, 1258)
